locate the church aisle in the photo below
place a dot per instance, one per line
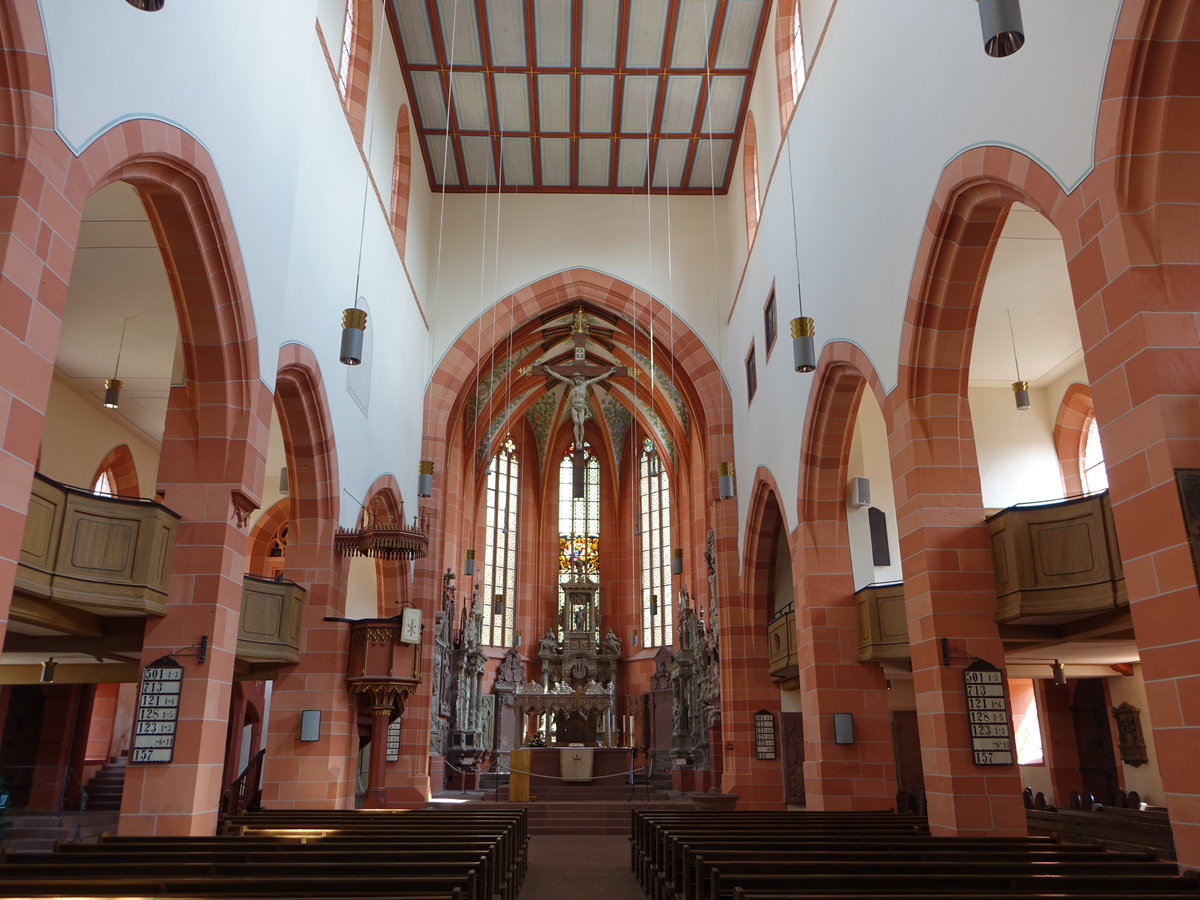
(579, 867)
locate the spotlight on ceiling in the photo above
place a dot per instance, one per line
(1003, 31)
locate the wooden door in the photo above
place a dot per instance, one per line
(910, 774)
(793, 758)
(1093, 739)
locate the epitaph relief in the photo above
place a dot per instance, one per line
(696, 697)
(439, 725)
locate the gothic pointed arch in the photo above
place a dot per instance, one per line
(120, 470)
(384, 503)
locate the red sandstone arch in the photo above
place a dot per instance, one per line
(401, 179)
(750, 178)
(384, 503)
(1070, 433)
(827, 631)
(122, 472)
(308, 443)
(262, 535)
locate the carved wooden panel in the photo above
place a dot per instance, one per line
(104, 555)
(269, 628)
(783, 663)
(793, 758)
(882, 622)
(1056, 562)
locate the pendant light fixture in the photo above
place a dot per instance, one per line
(425, 478)
(1020, 388)
(354, 319)
(469, 563)
(112, 386)
(725, 480)
(1003, 31)
(804, 329)
(677, 561)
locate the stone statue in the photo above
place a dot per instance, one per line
(578, 386)
(548, 643)
(612, 644)
(512, 669)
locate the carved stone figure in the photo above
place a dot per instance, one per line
(548, 643)
(512, 669)
(612, 643)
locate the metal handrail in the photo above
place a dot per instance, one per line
(245, 787)
(62, 794)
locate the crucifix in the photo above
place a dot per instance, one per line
(578, 375)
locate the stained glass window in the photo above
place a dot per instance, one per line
(655, 533)
(498, 591)
(578, 520)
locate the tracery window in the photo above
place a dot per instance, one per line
(655, 532)
(500, 548)
(1095, 476)
(578, 520)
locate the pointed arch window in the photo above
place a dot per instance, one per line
(347, 57)
(578, 520)
(655, 533)
(500, 547)
(789, 57)
(1095, 476)
(104, 485)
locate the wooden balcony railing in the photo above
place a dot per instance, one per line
(269, 629)
(107, 556)
(783, 664)
(1056, 562)
(882, 623)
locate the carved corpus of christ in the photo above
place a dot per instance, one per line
(578, 386)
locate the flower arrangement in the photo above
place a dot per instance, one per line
(537, 739)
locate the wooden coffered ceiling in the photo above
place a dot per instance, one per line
(578, 95)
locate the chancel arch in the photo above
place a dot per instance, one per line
(587, 365)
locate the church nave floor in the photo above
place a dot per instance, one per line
(579, 867)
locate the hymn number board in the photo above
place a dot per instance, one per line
(987, 710)
(157, 712)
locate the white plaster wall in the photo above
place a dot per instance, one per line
(877, 122)
(362, 597)
(268, 112)
(869, 457)
(1015, 448)
(77, 436)
(545, 233)
(784, 580)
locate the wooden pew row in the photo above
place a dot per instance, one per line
(742, 894)
(698, 863)
(507, 861)
(654, 842)
(843, 886)
(326, 888)
(653, 832)
(426, 855)
(692, 857)
(1118, 829)
(937, 878)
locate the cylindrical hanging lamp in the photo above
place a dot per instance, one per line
(469, 563)
(804, 351)
(677, 561)
(112, 392)
(354, 326)
(425, 478)
(1021, 394)
(1003, 31)
(725, 480)
(1059, 672)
